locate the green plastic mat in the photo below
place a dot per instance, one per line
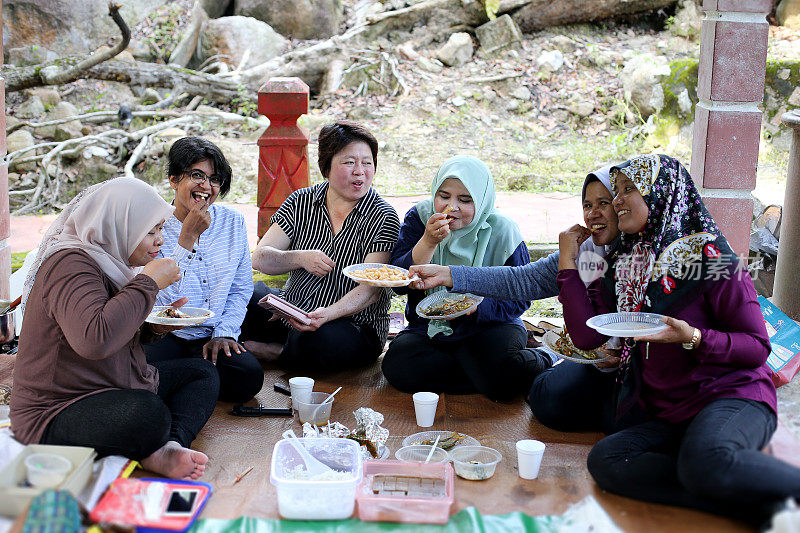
(466, 520)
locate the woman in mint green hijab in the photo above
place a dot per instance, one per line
(483, 352)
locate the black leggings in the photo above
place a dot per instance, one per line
(578, 397)
(491, 362)
(240, 375)
(338, 345)
(135, 423)
(712, 463)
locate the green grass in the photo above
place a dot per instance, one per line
(17, 258)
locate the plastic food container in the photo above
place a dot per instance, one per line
(331, 497)
(419, 452)
(475, 462)
(378, 501)
(315, 412)
(46, 470)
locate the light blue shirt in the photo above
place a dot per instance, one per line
(216, 275)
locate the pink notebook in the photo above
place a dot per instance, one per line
(282, 308)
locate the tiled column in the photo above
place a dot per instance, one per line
(727, 127)
(5, 215)
(787, 271)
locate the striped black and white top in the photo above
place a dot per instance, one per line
(372, 226)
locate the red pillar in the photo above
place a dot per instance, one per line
(727, 128)
(5, 215)
(283, 148)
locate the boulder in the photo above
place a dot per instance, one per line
(457, 50)
(19, 140)
(32, 54)
(49, 96)
(185, 50)
(499, 34)
(300, 19)
(563, 44)
(550, 61)
(688, 20)
(788, 13)
(214, 8)
(233, 36)
(641, 82)
(62, 110)
(69, 26)
(30, 108)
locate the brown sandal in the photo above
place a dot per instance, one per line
(536, 330)
(548, 326)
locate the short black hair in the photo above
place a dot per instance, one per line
(333, 138)
(187, 151)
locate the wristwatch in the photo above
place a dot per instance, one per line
(692, 344)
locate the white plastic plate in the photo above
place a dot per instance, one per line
(438, 297)
(627, 324)
(424, 436)
(197, 315)
(353, 270)
(550, 339)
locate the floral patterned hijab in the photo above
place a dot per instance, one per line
(678, 255)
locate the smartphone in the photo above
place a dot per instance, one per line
(181, 502)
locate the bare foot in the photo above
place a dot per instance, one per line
(265, 351)
(176, 462)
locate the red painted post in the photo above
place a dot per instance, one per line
(283, 148)
(727, 127)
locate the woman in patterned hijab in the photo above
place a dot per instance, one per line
(703, 383)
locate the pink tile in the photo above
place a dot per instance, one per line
(733, 216)
(5, 216)
(731, 149)
(733, 61)
(741, 6)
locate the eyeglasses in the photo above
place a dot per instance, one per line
(199, 177)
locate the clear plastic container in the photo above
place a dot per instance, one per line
(314, 411)
(331, 497)
(419, 452)
(475, 462)
(47, 470)
(404, 506)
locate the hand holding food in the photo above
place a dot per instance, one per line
(431, 276)
(569, 243)
(196, 222)
(437, 228)
(164, 271)
(317, 263)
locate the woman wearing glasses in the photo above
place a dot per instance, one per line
(209, 243)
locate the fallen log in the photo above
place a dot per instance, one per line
(539, 14)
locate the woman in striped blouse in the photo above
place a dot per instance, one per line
(317, 232)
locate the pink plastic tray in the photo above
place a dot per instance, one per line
(397, 508)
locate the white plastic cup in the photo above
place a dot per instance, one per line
(425, 408)
(529, 458)
(301, 388)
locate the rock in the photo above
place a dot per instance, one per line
(522, 159)
(784, 74)
(214, 8)
(126, 56)
(563, 44)
(171, 134)
(430, 65)
(62, 110)
(794, 99)
(550, 61)
(457, 50)
(150, 97)
(98, 168)
(29, 55)
(300, 19)
(186, 48)
(782, 141)
(11, 122)
(581, 109)
(458, 101)
(788, 13)
(498, 35)
(19, 140)
(71, 27)
(233, 36)
(522, 93)
(139, 50)
(688, 20)
(31, 108)
(48, 96)
(64, 132)
(641, 82)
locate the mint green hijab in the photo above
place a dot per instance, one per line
(489, 240)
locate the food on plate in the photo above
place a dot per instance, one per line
(564, 346)
(172, 312)
(445, 443)
(450, 305)
(383, 273)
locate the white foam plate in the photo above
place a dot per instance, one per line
(627, 324)
(418, 438)
(197, 315)
(438, 297)
(353, 270)
(551, 337)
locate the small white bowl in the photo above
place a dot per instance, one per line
(475, 462)
(47, 470)
(419, 452)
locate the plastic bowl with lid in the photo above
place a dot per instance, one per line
(419, 452)
(475, 462)
(47, 470)
(314, 411)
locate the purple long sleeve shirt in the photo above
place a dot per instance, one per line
(677, 383)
